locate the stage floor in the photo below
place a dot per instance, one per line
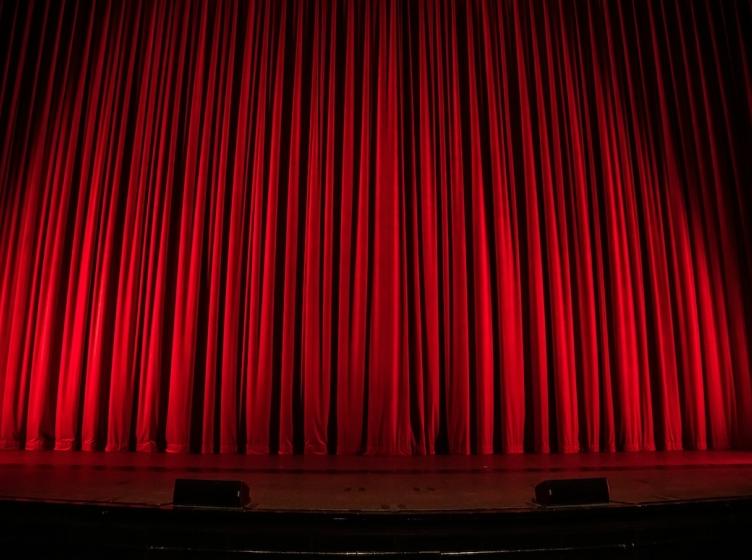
(372, 484)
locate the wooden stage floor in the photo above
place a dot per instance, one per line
(372, 484)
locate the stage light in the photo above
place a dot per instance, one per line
(572, 491)
(195, 493)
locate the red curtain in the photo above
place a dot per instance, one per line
(383, 227)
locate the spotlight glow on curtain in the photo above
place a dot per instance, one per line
(375, 226)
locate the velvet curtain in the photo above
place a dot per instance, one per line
(385, 227)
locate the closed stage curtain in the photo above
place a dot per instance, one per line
(382, 227)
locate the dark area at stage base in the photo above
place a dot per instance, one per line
(652, 531)
(662, 505)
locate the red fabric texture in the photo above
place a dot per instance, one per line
(381, 227)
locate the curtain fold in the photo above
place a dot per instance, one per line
(379, 227)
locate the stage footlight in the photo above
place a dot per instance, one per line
(572, 491)
(226, 494)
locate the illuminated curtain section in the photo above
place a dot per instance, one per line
(385, 227)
